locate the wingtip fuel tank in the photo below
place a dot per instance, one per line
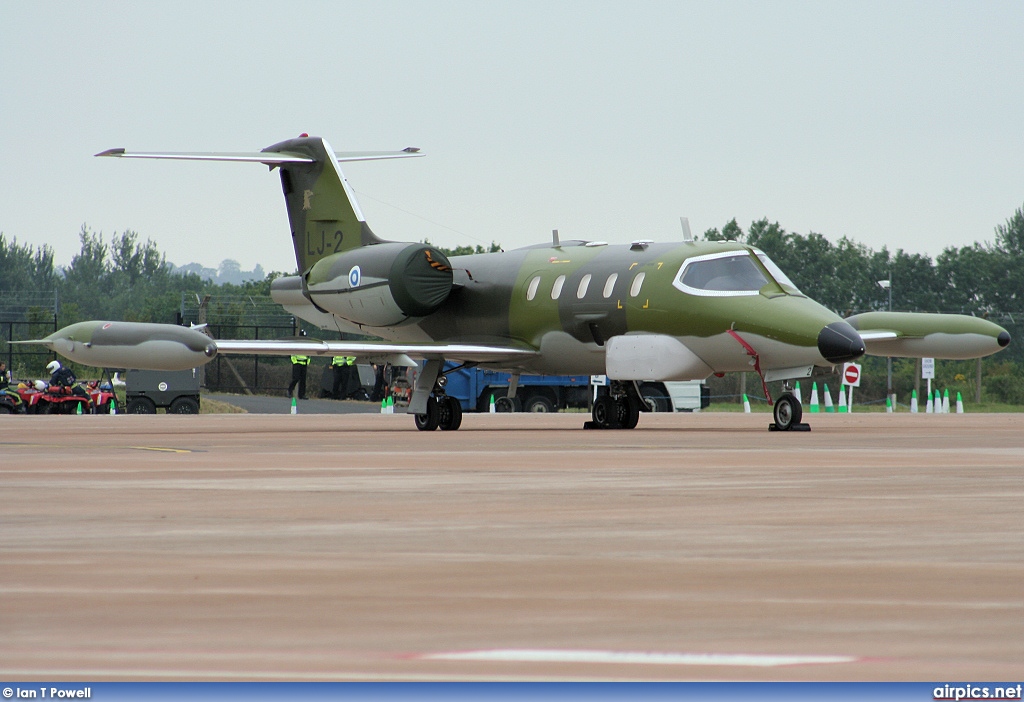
(923, 335)
(138, 345)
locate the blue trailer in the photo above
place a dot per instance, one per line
(474, 388)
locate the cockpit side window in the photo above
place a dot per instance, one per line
(727, 274)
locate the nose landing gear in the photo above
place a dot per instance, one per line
(787, 413)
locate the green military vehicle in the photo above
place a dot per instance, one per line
(175, 391)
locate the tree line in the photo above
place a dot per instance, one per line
(123, 278)
(126, 278)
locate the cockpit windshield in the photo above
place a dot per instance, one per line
(724, 274)
(776, 272)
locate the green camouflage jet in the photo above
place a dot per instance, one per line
(634, 312)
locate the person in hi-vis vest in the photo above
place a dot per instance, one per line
(300, 364)
(346, 377)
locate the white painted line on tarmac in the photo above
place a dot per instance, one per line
(540, 655)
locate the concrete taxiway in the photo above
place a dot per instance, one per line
(352, 547)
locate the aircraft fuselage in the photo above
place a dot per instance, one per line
(568, 301)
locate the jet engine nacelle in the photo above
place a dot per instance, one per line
(381, 285)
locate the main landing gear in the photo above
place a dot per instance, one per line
(619, 409)
(443, 412)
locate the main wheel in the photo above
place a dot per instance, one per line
(428, 421)
(788, 412)
(655, 398)
(450, 414)
(184, 405)
(627, 412)
(141, 405)
(606, 412)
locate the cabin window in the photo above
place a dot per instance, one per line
(556, 289)
(581, 291)
(725, 274)
(638, 282)
(531, 292)
(609, 285)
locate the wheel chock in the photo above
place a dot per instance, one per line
(802, 426)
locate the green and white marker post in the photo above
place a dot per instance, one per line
(814, 399)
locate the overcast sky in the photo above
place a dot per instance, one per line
(897, 124)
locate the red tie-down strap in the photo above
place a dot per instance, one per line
(757, 362)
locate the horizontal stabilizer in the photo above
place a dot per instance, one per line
(266, 157)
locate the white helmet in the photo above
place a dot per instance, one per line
(40, 385)
(52, 366)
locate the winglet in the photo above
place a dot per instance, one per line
(112, 152)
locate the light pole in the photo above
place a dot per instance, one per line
(887, 285)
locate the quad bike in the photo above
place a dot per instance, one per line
(10, 402)
(53, 399)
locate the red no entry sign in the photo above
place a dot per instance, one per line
(851, 374)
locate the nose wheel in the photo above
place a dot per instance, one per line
(787, 413)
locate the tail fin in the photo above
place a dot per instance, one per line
(322, 209)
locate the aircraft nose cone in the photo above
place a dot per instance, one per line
(1003, 339)
(839, 342)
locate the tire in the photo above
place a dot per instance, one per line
(655, 397)
(450, 414)
(787, 412)
(538, 403)
(5, 408)
(141, 405)
(184, 405)
(428, 421)
(606, 413)
(627, 412)
(506, 404)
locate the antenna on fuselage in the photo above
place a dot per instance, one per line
(687, 235)
(554, 238)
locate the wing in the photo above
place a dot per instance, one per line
(399, 354)
(922, 335)
(147, 346)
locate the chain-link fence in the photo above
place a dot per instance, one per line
(27, 316)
